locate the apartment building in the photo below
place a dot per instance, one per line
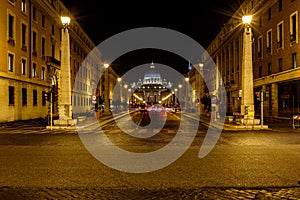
(30, 52)
(275, 56)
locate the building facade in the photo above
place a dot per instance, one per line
(30, 32)
(275, 50)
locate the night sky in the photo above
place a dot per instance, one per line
(200, 20)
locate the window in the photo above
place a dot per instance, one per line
(279, 5)
(43, 73)
(11, 95)
(52, 29)
(280, 64)
(260, 71)
(34, 41)
(53, 50)
(294, 60)
(11, 26)
(10, 62)
(260, 47)
(280, 35)
(43, 98)
(43, 46)
(34, 13)
(24, 96)
(269, 68)
(269, 14)
(43, 21)
(33, 70)
(23, 6)
(293, 27)
(269, 41)
(34, 97)
(23, 66)
(24, 34)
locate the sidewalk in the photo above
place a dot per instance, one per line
(32, 123)
(284, 124)
(272, 123)
(231, 126)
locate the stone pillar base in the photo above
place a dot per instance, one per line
(250, 121)
(65, 122)
(106, 113)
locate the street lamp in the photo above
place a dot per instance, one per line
(65, 20)
(247, 104)
(65, 104)
(106, 91)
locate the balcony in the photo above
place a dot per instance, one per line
(292, 37)
(11, 41)
(34, 53)
(51, 61)
(279, 44)
(24, 48)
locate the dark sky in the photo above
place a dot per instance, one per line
(200, 20)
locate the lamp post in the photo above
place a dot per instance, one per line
(180, 92)
(65, 104)
(106, 91)
(187, 92)
(247, 104)
(125, 94)
(129, 97)
(175, 97)
(120, 89)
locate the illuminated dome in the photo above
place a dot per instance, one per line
(152, 76)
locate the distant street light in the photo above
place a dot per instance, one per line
(247, 104)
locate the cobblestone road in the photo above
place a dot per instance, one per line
(20, 193)
(98, 193)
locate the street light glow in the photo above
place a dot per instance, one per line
(65, 20)
(186, 79)
(106, 65)
(247, 19)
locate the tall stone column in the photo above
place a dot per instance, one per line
(106, 93)
(65, 105)
(247, 104)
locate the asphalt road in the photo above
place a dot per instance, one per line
(60, 165)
